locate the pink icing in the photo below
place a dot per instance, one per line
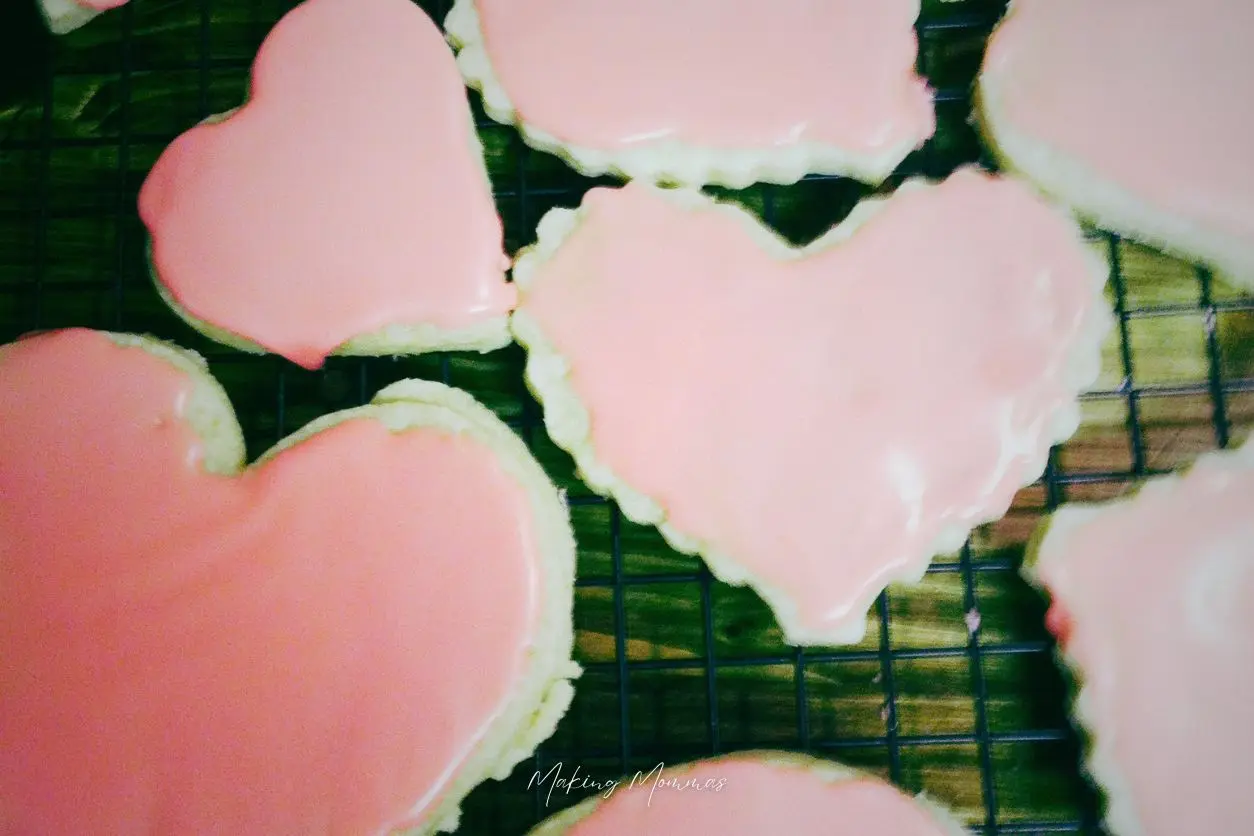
(1159, 593)
(269, 653)
(100, 5)
(712, 73)
(345, 197)
(820, 420)
(1153, 96)
(741, 795)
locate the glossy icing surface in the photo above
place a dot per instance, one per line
(820, 419)
(264, 653)
(1154, 600)
(738, 796)
(709, 73)
(345, 197)
(1160, 107)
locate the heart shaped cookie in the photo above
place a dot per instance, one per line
(1152, 600)
(345, 208)
(343, 638)
(702, 91)
(751, 793)
(819, 422)
(64, 16)
(1136, 115)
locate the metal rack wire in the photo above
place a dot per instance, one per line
(76, 259)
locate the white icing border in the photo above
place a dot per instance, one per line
(567, 419)
(64, 16)
(671, 162)
(1050, 537)
(1108, 204)
(830, 771)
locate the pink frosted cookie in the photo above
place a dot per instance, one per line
(192, 646)
(345, 209)
(703, 91)
(820, 422)
(1153, 604)
(65, 16)
(752, 794)
(1136, 114)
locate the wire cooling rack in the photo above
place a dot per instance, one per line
(954, 691)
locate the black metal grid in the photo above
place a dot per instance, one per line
(268, 391)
